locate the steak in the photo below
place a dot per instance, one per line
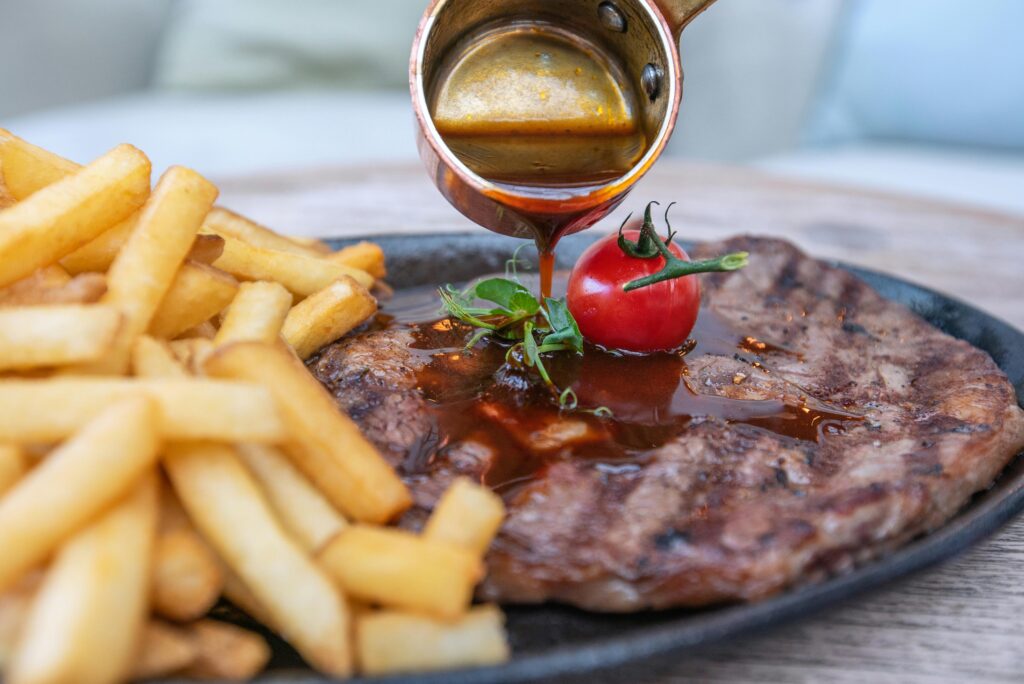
(725, 510)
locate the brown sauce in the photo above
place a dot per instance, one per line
(535, 106)
(474, 396)
(537, 110)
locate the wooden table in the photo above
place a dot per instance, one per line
(963, 621)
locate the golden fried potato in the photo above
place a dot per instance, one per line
(163, 651)
(198, 293)
(225, 651)
(302, 275)
(256, 314)
(74, 483)
(44, 288)
(144, 270)
(398, 569)
(187, 409)
(62, 217)
(300, 506)
(85, 623)
(467, 515)
(366, 256)
(228, 224)
(228, 508)
(323, 442)
(390, 642)
(42, 336)
(28, 168)
(327, 315)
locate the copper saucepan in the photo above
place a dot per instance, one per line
(641, 35)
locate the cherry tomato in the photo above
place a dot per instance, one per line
(654, 318)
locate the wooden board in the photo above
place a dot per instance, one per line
(960, 622)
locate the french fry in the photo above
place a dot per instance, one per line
(302, 275)
(39, 336)
(300, 506)
(172, 515)
(14, 607)
(98, 254)
(318, 246)
(186, 408)
(21, 293)
(6, 198)
(85, 622)
(163, 651)
(192, 352)
(143, 271)
(75, 483)
(390, 642)
(155, 359)
(198, 293)
(225, 651)
(225, 503)
(366, 256)
(399, 569)
(47, 277)
(239, 594)
(28, 168)
(62, 217)
(187, 579)
(42, 288)
(14, 463)
(206, 249)
(228, 224)
(204, 331)
(327, 315)
(467, 515)
(256, 314)
(323, 442)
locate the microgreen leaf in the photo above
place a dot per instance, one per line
(513, 265)
(517, 317)
(454, 304)
(568, 399)
(532, 354)
(563, 326)
(507, 294)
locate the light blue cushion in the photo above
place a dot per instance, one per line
(252, 45)
(936, 71)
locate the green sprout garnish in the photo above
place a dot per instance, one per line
(516, 316)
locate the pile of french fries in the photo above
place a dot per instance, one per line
(162, 446)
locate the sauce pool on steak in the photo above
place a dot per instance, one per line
(474, 395)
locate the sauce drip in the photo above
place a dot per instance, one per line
(476, 397)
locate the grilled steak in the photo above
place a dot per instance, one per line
(723, 509)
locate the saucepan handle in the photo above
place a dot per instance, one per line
(679, 13)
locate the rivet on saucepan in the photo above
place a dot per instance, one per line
(612, 17)
(651, 79)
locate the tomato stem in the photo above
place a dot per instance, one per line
(677, 268)
(647, 245)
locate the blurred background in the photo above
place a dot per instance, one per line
(919, 96)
